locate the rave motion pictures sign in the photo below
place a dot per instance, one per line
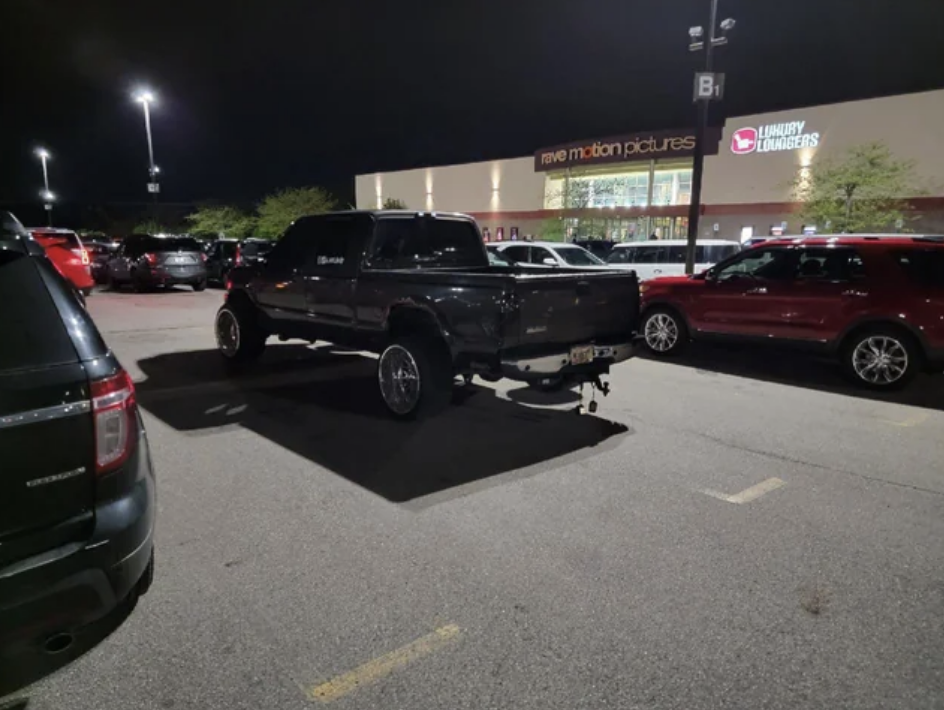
(625, 149)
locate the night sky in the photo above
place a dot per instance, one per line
(255, 95)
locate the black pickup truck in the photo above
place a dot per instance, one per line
(418, 289)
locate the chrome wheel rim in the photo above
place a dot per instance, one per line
(399, 379)
(227, 333)
(661, 332)
(880, 360)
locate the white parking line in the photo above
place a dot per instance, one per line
(749, 494)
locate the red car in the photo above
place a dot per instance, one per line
(65, 251)
(875, 301)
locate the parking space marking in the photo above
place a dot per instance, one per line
(910, 421)
(382, 666)
(749, 494)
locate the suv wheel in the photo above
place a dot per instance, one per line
(881, 358)
(415, 377)
(664, 331)
(238, 337)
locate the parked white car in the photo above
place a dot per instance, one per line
(550, 254)
(667, 257)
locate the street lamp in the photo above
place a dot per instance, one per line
(47, 196)
(698, 43)
(146, 98)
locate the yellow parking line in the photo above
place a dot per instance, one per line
(383, 666)
(910, 421)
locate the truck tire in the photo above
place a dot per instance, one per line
(238, 336)
(664, 331)
(881, 358)
(415, 377)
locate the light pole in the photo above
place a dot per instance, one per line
(697, 44)
(46, 194)
(146, 98)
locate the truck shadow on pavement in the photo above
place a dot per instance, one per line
(799, 369)
(325, 405)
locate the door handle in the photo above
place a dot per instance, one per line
(759, 291)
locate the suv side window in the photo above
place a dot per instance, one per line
(539, 254)
(922, 266)
(773, 263)
(33, 333)
(829, 264)
(650, 255)
(621, 256)
(519, 254)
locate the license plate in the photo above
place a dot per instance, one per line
(581, 354)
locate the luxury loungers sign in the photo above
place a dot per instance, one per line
(625, 149)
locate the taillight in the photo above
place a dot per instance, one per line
(150, 258)
(239, 256)
(85, 257)
(113, 406)
(203, 256)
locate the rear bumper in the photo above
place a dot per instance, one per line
(174, 276)
(66, 588)
(559, 362)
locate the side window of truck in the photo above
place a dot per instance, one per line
(337, 243)
(292, 249)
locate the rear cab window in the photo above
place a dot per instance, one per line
(424, 242)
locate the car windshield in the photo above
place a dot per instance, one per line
(575, 256)
(171, 244)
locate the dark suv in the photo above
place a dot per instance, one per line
(145, 261)
(875, 301)
(77, 492)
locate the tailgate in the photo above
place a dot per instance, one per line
(579, 308)
(47, 475)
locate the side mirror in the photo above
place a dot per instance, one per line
(549, 262)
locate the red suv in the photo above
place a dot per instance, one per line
(65, 251)
(876, 302)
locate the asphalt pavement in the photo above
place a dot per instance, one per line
(733, 529)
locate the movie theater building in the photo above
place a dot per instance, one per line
(631, 186)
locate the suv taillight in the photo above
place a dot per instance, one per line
(113, 406)
(150, 258)
(85, 257)
(239, 256)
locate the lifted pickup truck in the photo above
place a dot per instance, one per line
(418, 289)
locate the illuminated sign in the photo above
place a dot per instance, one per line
(625, 149)
(773, 137)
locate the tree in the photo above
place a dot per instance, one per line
(277, 211)
(863, 192)
(223, 221)
(150, 226)
(392, 203)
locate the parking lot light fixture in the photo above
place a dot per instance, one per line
(47, 196)
(146, 97)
